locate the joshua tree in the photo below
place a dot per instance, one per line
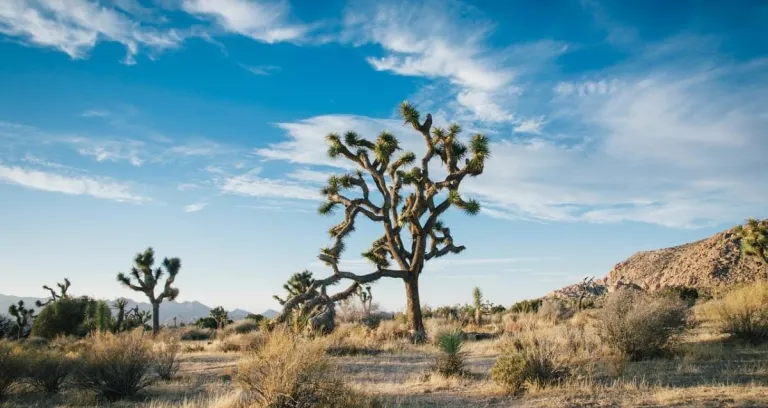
(584, 288)
(63, 287)
(119, 304)
(402, 196)
(297, 284)
(754, 238)
(477, 296)
(23, 317)
(366, 298)
(146, 279)
(221, 316)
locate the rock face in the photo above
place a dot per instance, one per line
(706, 264)
(710, 263)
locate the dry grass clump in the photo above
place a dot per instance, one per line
(47, 371)
(639, 326)
(743, 313)
(530, 359)
(167, 358)
(554, 310)
(289, 372)
(117, 366)
(351, 340)
(242, 327)
(12, 365)
(240, 342)
(391, 330)
(196, 334)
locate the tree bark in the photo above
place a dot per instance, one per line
(413, 310)
(155, 317)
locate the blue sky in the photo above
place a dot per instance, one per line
(196, 127)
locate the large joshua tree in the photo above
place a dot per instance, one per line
(405, 198)
(147, 278)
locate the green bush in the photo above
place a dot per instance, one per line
(47, 371)
(207, 323)
(526, 306)
(686, 294)
(64, 317)
(197, 334)
(639, 325)
(12, 366)
(452, 360)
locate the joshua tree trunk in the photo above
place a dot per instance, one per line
(155, 317)
(414, 305)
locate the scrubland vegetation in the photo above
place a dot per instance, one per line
(631, 348)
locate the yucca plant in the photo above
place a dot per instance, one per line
(452, 360)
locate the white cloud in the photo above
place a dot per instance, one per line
(96, 113)
(310, 176)
(75, 26)
(531, 125)
(194, 207)
(186, 186)
(262, 20)
(250, 184)
(587, 88)
(450, 45)
(261, 70)
(74, 185)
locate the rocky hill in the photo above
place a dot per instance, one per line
(710, 263)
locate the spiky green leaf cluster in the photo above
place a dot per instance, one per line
(326, 208)
(409, 114)
(471, 206)
(386, 145)
(754, 238)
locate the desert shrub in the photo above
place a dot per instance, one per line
(554, 310)
(529, 359)
(687, 294)
(167, 359)
(207, 322)
(526, 306)
(6, 326)
(34, 342)
(452, 360)
(196, 334)
(193, 348)
(255, 317)
(12, 366)
(68, 344)
(242, 327)
(287, 372)
(389, 330)
(226, 345)
(638, 325)
(47, 371)
(117, 366)
(371, 321)
(64, 317)
(743, 313)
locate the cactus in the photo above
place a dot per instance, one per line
(146, 279)
(408, 201)
(119, 304)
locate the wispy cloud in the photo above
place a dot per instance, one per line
(76, 26)
(262, 70)
(195, 207)
(187, 186)
(96, 113)
(74, 185)
(263, 20)
(451, 45)
(250, 184)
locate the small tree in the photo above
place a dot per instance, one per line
(297, 284)
(119, 305)
(409, 201)
(146, 279)
(366, 298)
(63, 287)
(23, 317)
(754, 238)
(221, 316)
(477, 297)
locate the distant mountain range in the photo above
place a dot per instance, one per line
(186, 312)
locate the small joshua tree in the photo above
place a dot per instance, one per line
(23, 317)
(63, 287)
(477, 297)
(119, 305)
(147, 278)
(297, 284)
(407, 200)
(754, 238)
(221, 316)
(366, 298)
